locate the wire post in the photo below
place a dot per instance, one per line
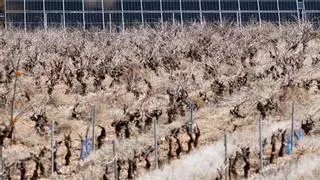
(226, 155)
(52, 147)
(116, 176)
(155, 141)
(93, 125)
(260, 144)
(292, 126)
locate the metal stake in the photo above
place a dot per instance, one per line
(226, 155)
(52, 147)
(191, 118)
(116, 176)
(155, 141)
(93, 125)
(292, 126)
(260, 144)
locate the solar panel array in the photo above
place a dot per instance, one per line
(120, 14)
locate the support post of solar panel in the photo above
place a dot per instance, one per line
(259, 12)
(298, 12)
(63, 14)
(220, 13)
(45, 22)
(279, 15)
(44, 14)
(303, 13)
(181, 16)
(200, 12)
(173, 20)
(61, 20)
(110, 23)
(141, 11)
(24, 15)
(83, 16)
(300, 5)
(122, 16)
(161, 14)
(239, 14)
(102, 11)
(5, 17)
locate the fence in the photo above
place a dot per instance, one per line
(121, 14)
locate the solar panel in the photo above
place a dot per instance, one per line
(249, 5)
(287, 4)
(312, 4)
(268, 5)
(149, 11)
